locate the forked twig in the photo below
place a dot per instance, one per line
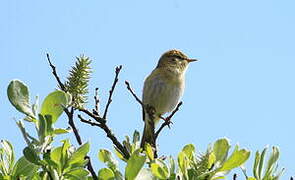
(118, 69)
(167, 120)
(109, 133)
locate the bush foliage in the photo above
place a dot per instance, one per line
(41, 160)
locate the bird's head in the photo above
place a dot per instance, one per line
(174, 60)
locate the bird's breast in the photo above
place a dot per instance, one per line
(162, 93)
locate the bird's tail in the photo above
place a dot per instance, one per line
(148, 135)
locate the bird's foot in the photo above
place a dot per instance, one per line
(167, 120)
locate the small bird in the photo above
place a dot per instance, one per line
(162, 90)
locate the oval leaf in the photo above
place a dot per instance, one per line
(237, 158)
(24, 167)
(31, 155)
(106, 157)
(149, 151)
(79, 155)
(220, 149)
(189, 151)
(159, 171)
(53, 104)
(18, 95)
(106, 174)
(134, 165)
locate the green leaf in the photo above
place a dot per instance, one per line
(274, 156)
(61, 131)
(145, 174)
(251, 178)
(237, 158)
(119, 154)
(31, 155)
(42, 128)
(49, 127)
(55, 155)
(256, 163)
(8, 150)
(106, 174)
(53, 104)
(160, 170)
(136, 137)
(106, 156)
(24, 168)
(183, 163)
(172, 164)
(64, 152)
(18, 95)
(189, 151)
(78, 173)
(149, 151)
(220, 149)
(211, 160)
(79, 155)
(260, 167)
(134, 165)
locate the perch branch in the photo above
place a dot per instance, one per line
(118, 69)
(167, 120)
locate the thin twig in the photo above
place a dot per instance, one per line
(94, 116)
(70, 115)
(167, 120)
(110, 135)
(61, 85)
(118, 69)
(96, 102)
(133, 94)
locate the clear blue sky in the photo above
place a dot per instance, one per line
(242, 87)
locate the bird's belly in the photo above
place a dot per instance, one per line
(163, 96)
(169, 99)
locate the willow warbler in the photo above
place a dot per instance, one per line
(162, 90)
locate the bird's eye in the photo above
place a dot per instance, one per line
(174, 59)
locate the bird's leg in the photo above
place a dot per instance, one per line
(167, 120)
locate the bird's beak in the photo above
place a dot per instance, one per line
(191, 60)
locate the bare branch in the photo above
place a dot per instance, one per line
(96, 102)
(133, 94)
(167, 121)
(94, 116)
(70, 115)
(110, 135)
(118, 69)
(61, 85)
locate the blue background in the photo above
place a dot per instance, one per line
(242, 87)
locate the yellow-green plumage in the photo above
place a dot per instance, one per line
(163, 88)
